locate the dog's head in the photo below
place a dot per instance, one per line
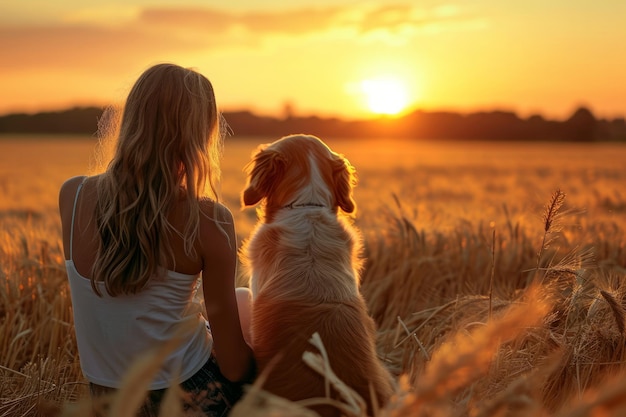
(299, 170)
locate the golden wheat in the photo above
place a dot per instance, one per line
(446, 279)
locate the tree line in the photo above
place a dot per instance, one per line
(581, 126)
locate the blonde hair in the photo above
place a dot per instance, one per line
(168, 144)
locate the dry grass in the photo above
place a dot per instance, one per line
(453, 250)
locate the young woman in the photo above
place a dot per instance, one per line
(139, 238)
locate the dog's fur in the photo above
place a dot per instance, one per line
(304, 262)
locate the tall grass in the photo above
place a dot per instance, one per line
(38, 351)
(512, 311)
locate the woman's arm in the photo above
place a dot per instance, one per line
(219, 255)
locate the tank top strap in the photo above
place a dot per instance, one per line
(72, 221)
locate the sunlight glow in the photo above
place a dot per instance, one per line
(385, 95)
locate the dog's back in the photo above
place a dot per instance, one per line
(305, 253)
(282, 331)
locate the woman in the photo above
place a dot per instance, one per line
(138, 238)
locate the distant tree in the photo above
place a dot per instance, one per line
(581, 126)
(288, 110)
(75, 120)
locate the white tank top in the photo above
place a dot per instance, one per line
(114, 332)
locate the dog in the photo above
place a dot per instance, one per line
(304, 262)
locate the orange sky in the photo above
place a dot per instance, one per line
(532, 56)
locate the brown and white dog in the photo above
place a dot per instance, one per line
(304, 262)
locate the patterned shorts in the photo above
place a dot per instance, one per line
(207, 393)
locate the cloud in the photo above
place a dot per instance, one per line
(388, 17)
(162, 31)
(408, 19)
(78, 46)
(364, 19)
(200, 19)
(213, 21)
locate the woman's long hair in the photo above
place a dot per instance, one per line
(168, 146)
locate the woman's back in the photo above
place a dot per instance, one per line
(113, 332)
(86, 239)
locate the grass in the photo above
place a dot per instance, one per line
(496, 279)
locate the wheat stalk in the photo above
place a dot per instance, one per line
(550, 215)
(616, 309)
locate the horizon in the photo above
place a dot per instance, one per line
(349, 59)
(372, 117)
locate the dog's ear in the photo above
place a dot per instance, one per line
(344, 176)
(268, 167)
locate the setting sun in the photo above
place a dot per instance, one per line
(385, 95)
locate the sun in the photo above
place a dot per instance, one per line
(385, 95)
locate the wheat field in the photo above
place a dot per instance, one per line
(495, 273)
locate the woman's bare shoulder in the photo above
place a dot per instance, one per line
(217, 227)
(215, 211)
(72, 182)
(67, 192)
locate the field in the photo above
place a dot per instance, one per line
(495, 273)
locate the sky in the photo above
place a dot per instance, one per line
(344, 58)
